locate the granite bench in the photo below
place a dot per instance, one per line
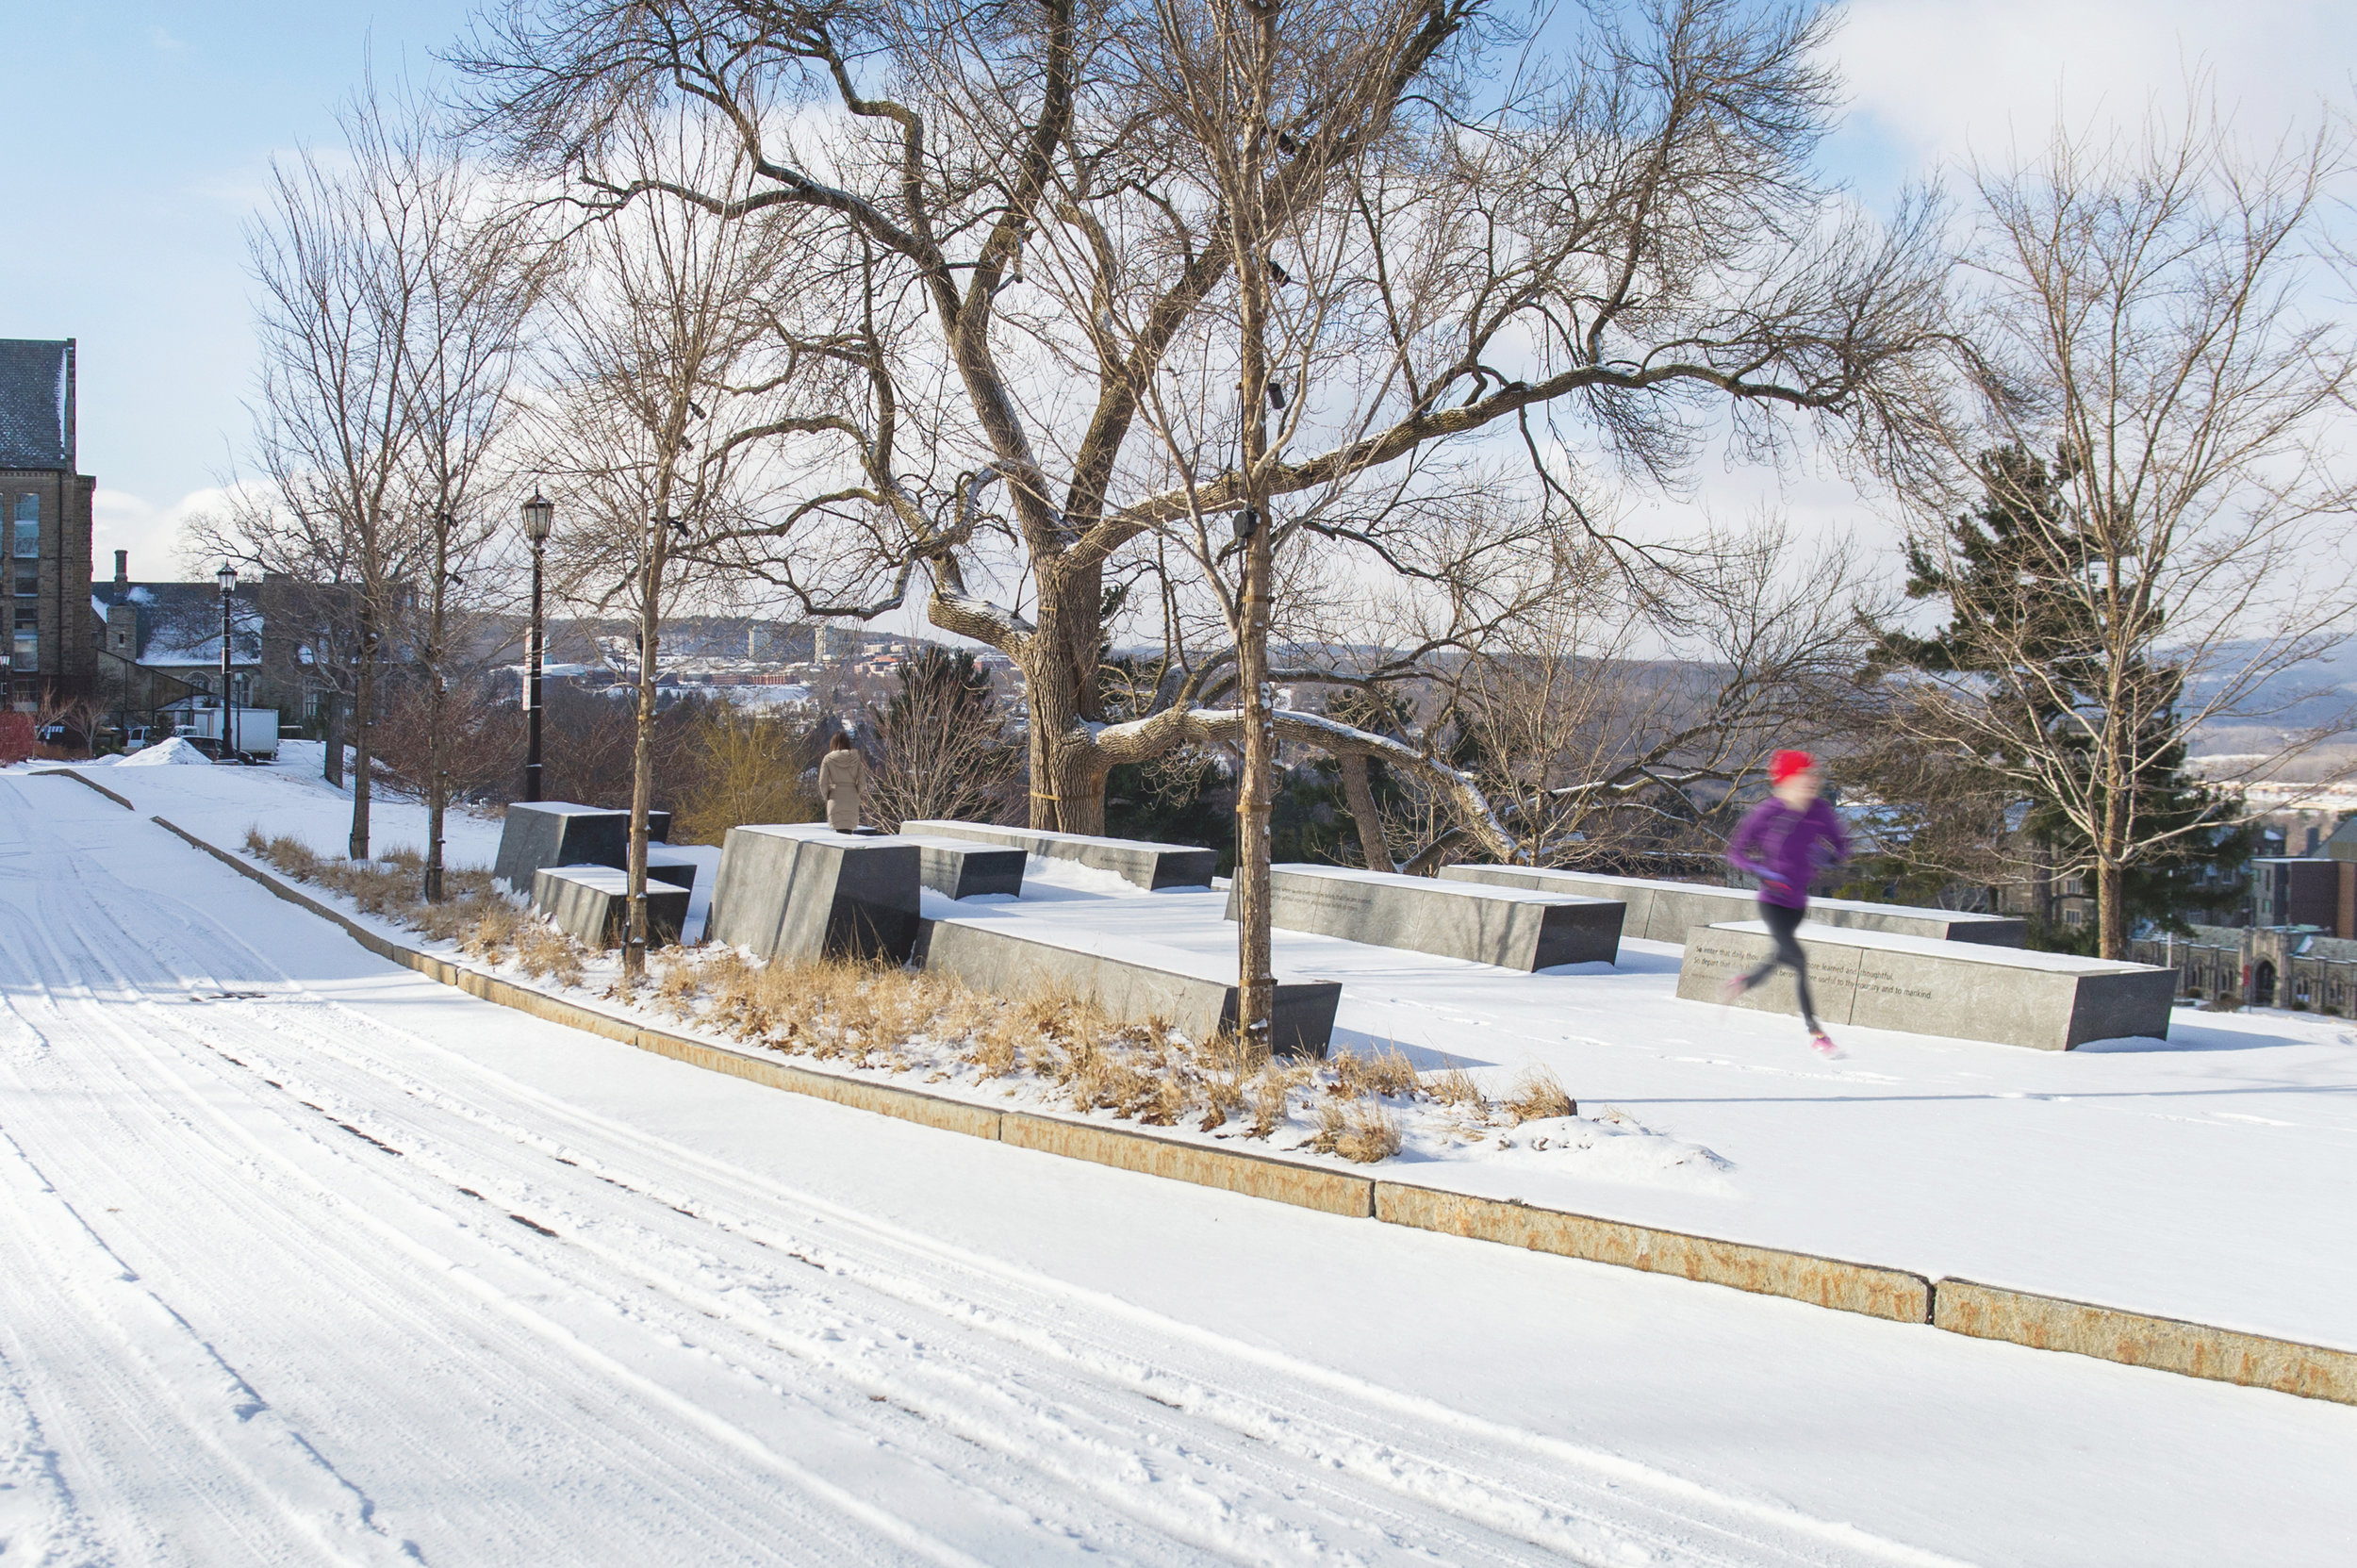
(1512, 928)
(592, 904)
(1666, 911)
(1132, 980)
(561, 832)
(802, 890)
(1923, 985)
(1149, 864)
(967, 867)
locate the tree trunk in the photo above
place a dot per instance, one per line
(437, 703)
(1363, 810)
(363, 714)
(1256, 981)
(332, 767)
(642, 761)
(1067, 777)
(2110, 905)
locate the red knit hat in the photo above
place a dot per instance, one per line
(1785, 764)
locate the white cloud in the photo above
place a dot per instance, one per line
(1942, 81)
(153, 534)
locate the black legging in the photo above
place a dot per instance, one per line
(1782, 923)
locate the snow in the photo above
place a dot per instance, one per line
(2043, 1171)
(312, 1259)
(177, 752)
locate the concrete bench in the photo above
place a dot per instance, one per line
(967, 867)
(1149, 864)
(592, 904)
(802, 890)
(1131, 980)
(1666, 911)
(1967, 991)
(1510, 927)
(561, 832)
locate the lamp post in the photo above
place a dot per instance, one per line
(539, 518)
(227, 578)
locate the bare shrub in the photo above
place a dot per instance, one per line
(748, 768)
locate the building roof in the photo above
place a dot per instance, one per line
(36, 403)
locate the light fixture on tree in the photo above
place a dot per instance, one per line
(539, 520)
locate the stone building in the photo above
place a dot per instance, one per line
(45, 528)
(161, 645)
(2300, 953)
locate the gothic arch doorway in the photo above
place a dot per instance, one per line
(2263, 984)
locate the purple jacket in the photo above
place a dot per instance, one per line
(1779, 846)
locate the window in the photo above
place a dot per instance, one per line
(2072, 917)
(27, 648)
(28, 580)
(28, 526)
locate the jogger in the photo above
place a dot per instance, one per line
(1778, 843)
(1782, 922)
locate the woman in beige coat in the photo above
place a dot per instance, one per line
(842, 774)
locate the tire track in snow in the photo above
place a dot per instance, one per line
(1135, 1431)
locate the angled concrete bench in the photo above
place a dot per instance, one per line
(802, 890)
(561, 832)
(1510, 926)
(1666, 911)
(1131, 980)
(592, 904)
(967, 867)
(1964, 990)
(1149, 864)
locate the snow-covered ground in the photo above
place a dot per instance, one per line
(312, 1259)
(2204, 1177)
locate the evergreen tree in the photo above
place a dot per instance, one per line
(2018, 615)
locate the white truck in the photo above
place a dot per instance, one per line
(254, 732)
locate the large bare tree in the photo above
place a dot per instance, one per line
(1029, 248)
(2162, 442)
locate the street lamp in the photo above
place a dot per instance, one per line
(227, 578)
(539, 518)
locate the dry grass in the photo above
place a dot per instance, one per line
(893, 1020)
(1536, 1095)
(1361, 1130)
(473, 912)
(1456, 1089)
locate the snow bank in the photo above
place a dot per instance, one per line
(176, 752)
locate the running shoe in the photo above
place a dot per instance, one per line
(1732, 992)
(1821, 1042)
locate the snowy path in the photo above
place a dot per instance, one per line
(335, 1311)
(312, 1260)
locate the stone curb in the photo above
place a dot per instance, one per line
(69, 773)
(1956, 1306)
(2136, 1339)
(1885, 1293)
(1232, 1170)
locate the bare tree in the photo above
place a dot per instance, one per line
(477, 276)
(944, 751)
(2148, 315)
(359, 259)
(1033, 242)
(650, 437)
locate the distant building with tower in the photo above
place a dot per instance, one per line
(44, 527)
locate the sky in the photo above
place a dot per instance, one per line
(139, 136)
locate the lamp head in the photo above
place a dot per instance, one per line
(226, 577)
(540, 517)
